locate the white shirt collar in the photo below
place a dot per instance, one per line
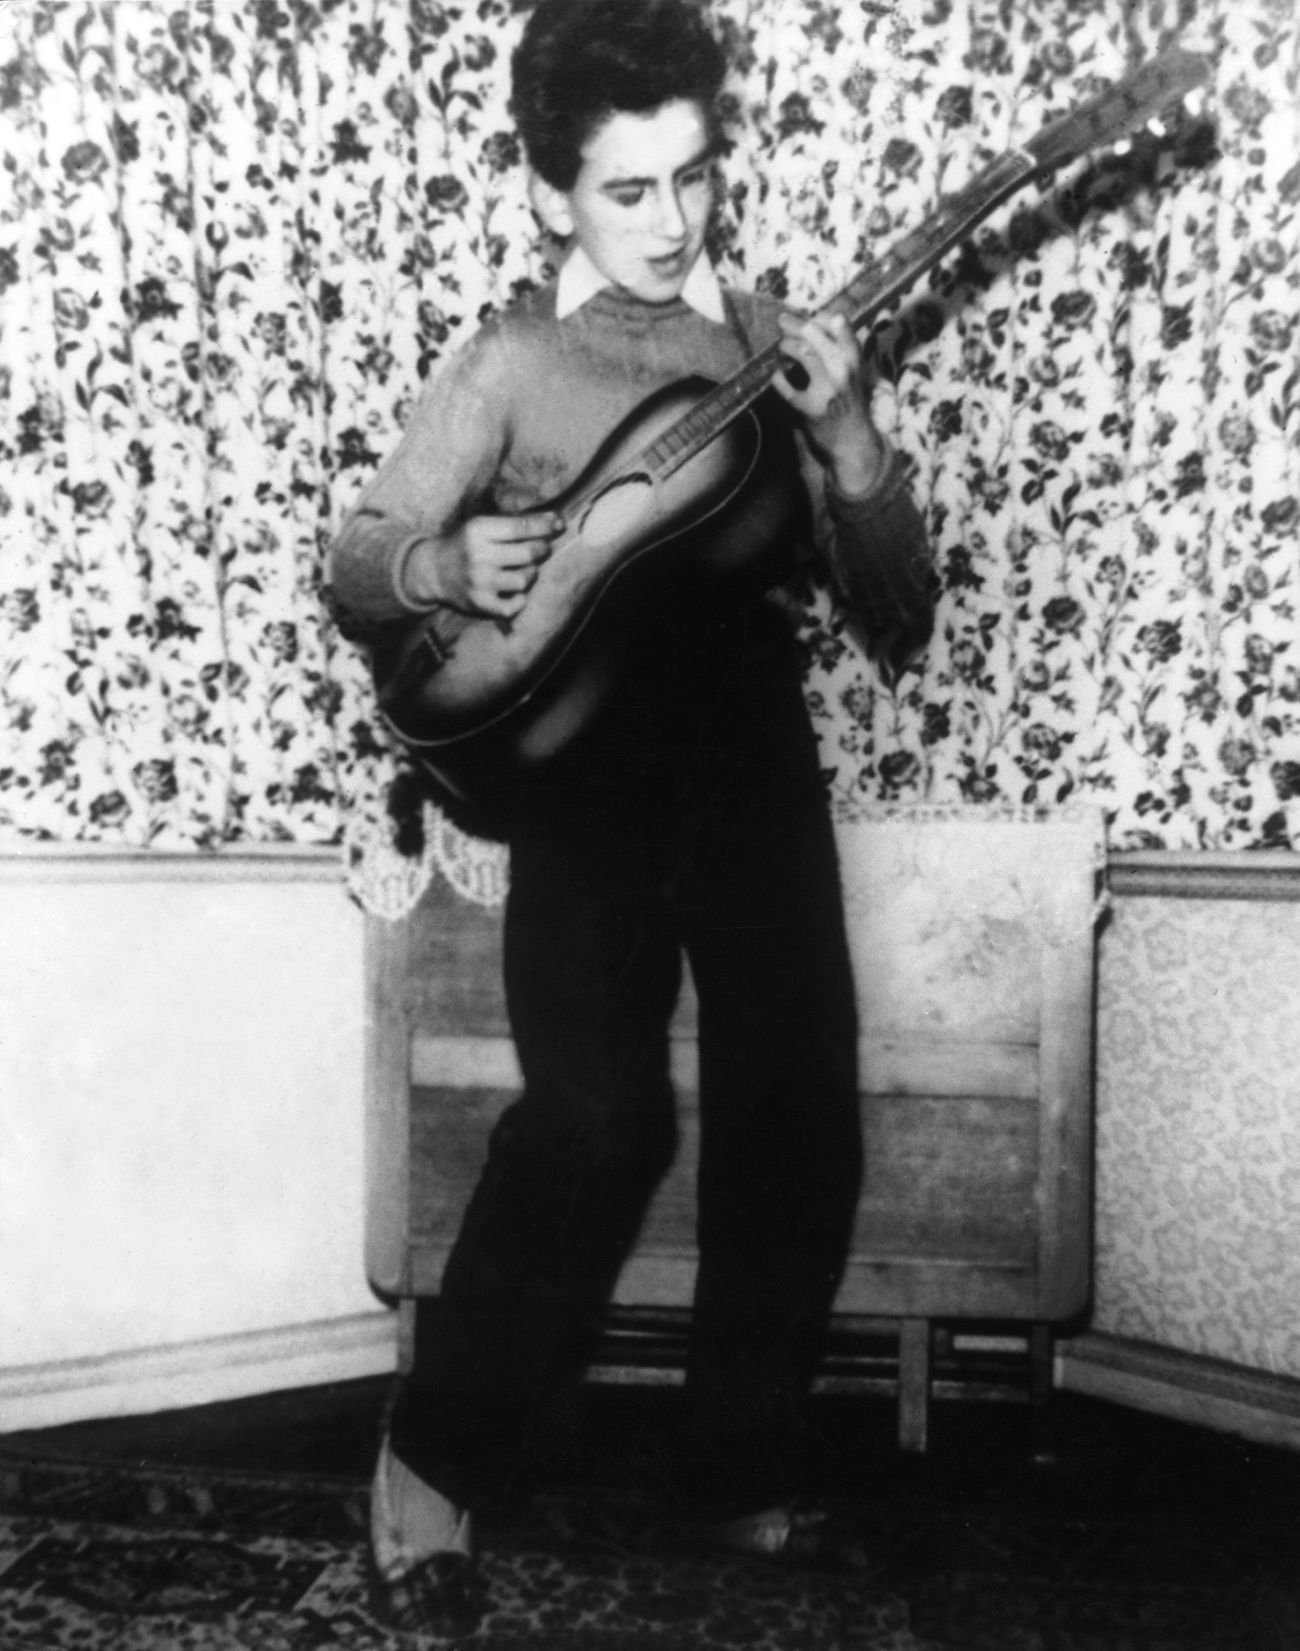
(580, 280)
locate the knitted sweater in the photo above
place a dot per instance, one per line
(506, 423)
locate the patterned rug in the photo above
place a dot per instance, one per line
(103, 1556)
(107, 1555)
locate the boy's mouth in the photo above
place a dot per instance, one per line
(669, 263)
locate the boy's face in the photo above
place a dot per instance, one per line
(642, 201)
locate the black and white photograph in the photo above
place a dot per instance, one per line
(650, 825)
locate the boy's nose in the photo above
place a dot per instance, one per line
(670, 220)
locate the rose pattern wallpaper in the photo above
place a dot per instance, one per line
(234, 236)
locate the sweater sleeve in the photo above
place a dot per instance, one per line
(443, 465)
(880, 564)
(873, 547)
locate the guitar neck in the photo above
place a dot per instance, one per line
(880, 282)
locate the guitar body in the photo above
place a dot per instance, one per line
(475, 698)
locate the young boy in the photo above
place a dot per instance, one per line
(686, 816)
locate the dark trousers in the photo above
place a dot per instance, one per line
(691, 818)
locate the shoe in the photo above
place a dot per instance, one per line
(442, 1597)
(797, 1533)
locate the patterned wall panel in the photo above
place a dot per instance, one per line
(1198, 1129)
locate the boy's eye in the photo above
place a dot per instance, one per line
(627, 197)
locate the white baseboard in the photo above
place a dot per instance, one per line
(1183, 1386)
(1187, 1387)
(151, 1379)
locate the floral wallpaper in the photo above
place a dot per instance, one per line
(233, 237)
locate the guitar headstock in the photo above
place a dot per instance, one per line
(1162, 99)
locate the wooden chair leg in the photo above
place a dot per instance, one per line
(914, 1385)
(1042, 1440)
(1040, 1363)
(405, 1334)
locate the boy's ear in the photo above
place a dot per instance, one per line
(551, 206)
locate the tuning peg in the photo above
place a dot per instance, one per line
(1157, 127)
(1194, 102)
(1121, 146)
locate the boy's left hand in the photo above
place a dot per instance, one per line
(833, 402)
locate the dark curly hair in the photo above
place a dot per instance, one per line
(580, 61)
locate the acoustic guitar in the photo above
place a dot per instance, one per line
(474, 698)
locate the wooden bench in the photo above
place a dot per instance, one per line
(973, 942)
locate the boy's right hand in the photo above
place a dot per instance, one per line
(490, 563)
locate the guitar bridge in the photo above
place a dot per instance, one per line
(439, 633)
(414, 658)
(435, 651)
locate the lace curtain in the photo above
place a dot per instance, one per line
(234, 236)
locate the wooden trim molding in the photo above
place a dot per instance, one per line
(1189, 1387)
(1188, 874)
(202, 1372)
(33, 862)
(1196, 874)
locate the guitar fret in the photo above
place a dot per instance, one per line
(712, 413)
